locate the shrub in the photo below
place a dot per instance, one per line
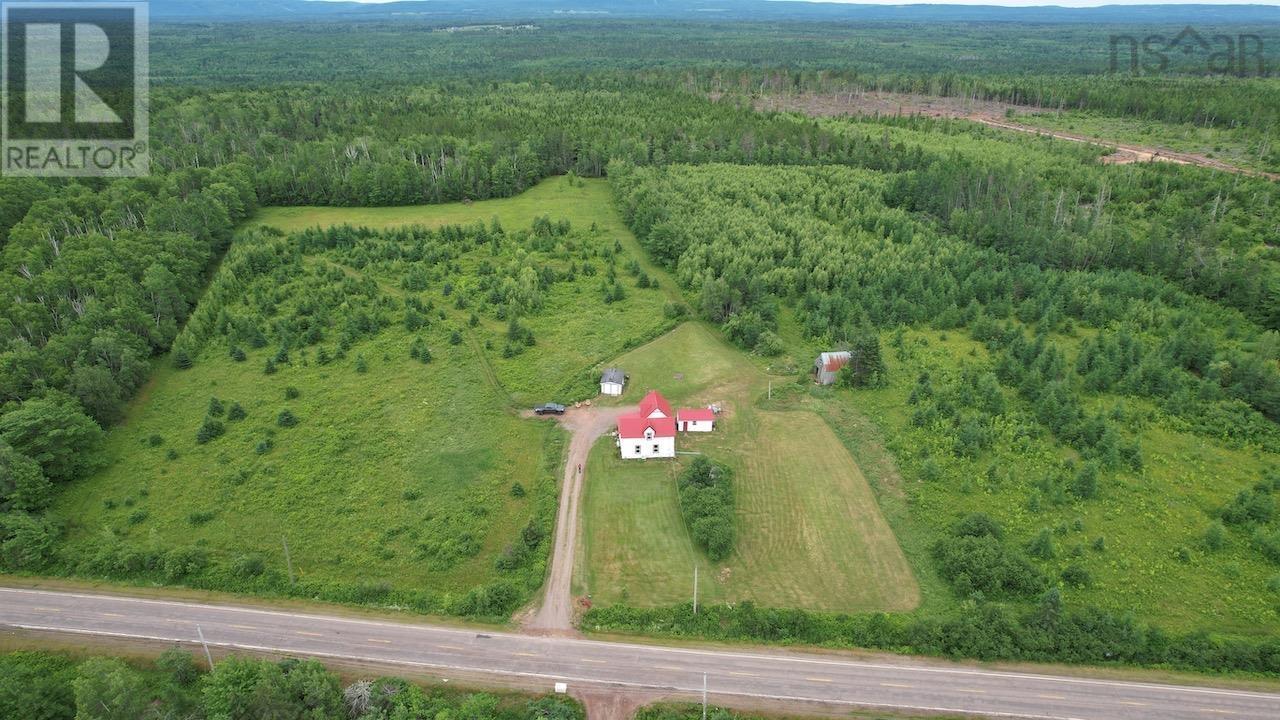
(517, 490)
(361, 365)
(269, 368)
(286, 419)
(455, 338)
(978, 525)
(1215, 537)
(248, 566)
(1085, 483)
(1076, 576)
(200, 517)
(1041, 545)
(986, 565)
(138, 516)
(706, 502)
(236, 412)
(181, 360)
(210, 430)
(237, 354)
(155, 441)
(216, 408)
(291, 393)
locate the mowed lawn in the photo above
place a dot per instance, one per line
(575, 329)
(810, 534)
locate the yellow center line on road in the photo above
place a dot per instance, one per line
(1219, 711)
(378, 640)
(1133, 703)
(593, 660)
(667, 667)
(972, 690)
(743, 674)
(1052, 697)
(107, 614)
(312, 634)
(818, 679)
(897, 685)
(525, 654)
(46, 609)
(449, 647)
(243, 627)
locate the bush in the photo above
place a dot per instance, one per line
(286, 419)
(216, 408)
(200, 517)
(1076, 576)
(248, 566)
(181, 360)
(210, 430)
(269, 368)
(985, 564)
(236, 412)
(361, 365)
(292, 393)
(706, 502)
(1215, 537)
(237, 354)
(517, 490)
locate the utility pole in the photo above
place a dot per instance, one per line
(287, 561)
(695, 589)
(704, 696)
(207, 655)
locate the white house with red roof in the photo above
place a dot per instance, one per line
(650, 432)
(695, 419)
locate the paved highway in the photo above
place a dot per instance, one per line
(734, 677)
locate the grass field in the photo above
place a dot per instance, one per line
(572, 321)
(810, 533)
(1146, 518)
(398, 477)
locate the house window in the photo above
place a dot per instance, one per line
(637, 449)
(655, 447)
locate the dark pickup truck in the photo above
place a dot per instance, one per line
(549, 409)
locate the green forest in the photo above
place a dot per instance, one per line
(53, 686)
(1072, 365)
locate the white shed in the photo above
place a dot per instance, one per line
(612, 382)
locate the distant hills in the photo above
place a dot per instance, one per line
(505, 10)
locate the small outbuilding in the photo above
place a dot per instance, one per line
(695, 419)
(827, 366)
(612, 382)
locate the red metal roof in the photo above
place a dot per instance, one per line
(695, 414)
(835, 363)
(654, 401)
(632, 427)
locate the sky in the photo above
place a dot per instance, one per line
(1025, 3)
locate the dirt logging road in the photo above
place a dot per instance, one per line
(986, 112)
